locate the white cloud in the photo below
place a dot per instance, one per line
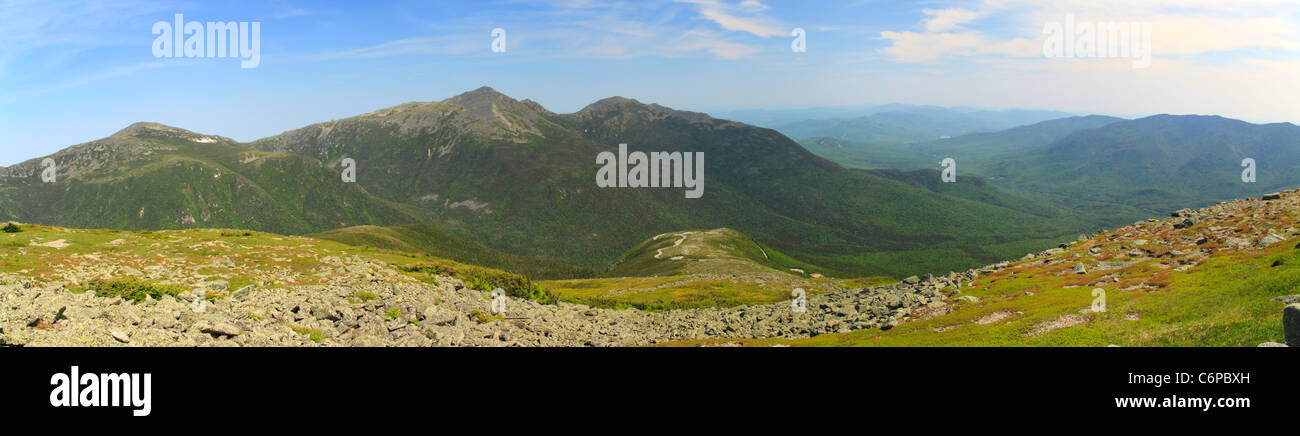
(1188, 35)
(923, 47)
(1181, 27)
(741, 17)
(943, 20)
(416, 45)
(702, 40)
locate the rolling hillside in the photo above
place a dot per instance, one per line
(1158, 164)
(150, 176)
(913, 124)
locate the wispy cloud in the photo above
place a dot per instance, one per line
(452, 44)
(746, 16)
(943, 20)
(1183, 27)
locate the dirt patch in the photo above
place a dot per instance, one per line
(57, 244)
(1060, 322)
(994, 317)
(946, 328)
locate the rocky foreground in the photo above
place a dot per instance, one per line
(399, 311)
(366, 302)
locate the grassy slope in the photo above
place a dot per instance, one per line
(429, 239)
(717, 251)
(1224, 300)
(709, 268)
(240, 257)
(684, 291)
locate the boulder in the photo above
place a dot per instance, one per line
(1268, 240)
(219, 329)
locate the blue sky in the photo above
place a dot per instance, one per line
(75, 71)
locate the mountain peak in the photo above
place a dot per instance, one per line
(651, 111)
(480, 97)
(147, 127)
(610, 103)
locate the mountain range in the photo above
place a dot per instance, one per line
(519, 180)
(904, 124)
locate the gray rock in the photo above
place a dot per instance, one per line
(1288, 299)
(1271, 345)
(221, 329)
(1268, 240)
(1080, 269)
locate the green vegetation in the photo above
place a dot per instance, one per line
(1152, 166)
(11, 228)
(159, 177)
(914, 124)
(680, 292)
(717, 251)
(260, 259)
(315, 335)
(479, 317)
(429, 239)
(1104, 171)
(484, 279)
(526, 188)
(133, 290)
(1224, 301)
(516, 180)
